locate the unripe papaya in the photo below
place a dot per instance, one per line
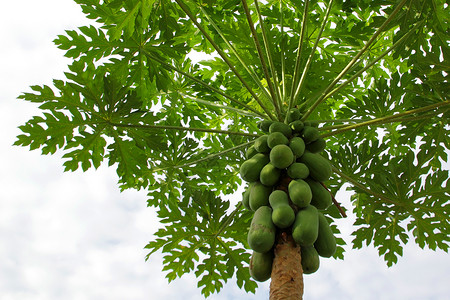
(319, 167)
(261, 144)
(310, 259)
(261, 265)
(298, 171)
(251, 151)
(261, 235)
(282, 215)
(281, 156)
(246, 198)
(293, 115)
(306, 226)
(251, 168)
(297, 126)
(300, 193)
(261, 158)
(281, 127)
(269, 175)
(314, 123)
(297, 146)
(310, 134)
(259, 195)
(326, 242)
(321, 197)
(316, 146)
(264, 125)
(277, 138)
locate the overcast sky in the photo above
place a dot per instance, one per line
(75, 236)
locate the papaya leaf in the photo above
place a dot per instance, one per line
(401, 195)
(194, 239)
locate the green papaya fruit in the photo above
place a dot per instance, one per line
(251, 168)
(281, 156)
(281, 127)
(317, 146)
(282, 215)
(321, 197)
(299, 192)
(261, 235)
(310, 134)
(297, 146)
(310, 259)
(297, 126)
(269, 175)
(326, 242)
(306, 226)
(246, 198)
(260, 266)
(251, 151)
(319, 167)
(264, 125)
(293, 115)
(259, 195)
(261, 158)
(298, 171)
(261, 144)
(277, 138)
(314, 123)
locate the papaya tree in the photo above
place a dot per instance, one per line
(277, 102)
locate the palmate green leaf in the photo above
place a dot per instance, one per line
(125, 15)
(184, 160)
(131, 162)
(68, 122)
(201, 236)
(400, 195)
(91, 42)
(79, 115)
(130, 30)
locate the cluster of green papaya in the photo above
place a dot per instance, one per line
(285, 174)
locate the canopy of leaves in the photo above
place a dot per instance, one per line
(374, 73)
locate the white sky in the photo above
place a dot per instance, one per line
(75, 236)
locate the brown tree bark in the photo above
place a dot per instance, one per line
(287, 273)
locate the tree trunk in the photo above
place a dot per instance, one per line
(287, 274)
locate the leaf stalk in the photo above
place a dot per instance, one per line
(186, 9)
(251, 72)
(389, 119)
(173, 68)
(299, 54)
(308, 62)
(181, 128)
(261, 57)
(354, 60)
